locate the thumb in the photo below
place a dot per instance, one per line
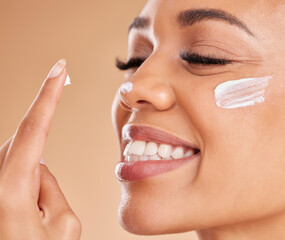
(57, 215)
(51, 199)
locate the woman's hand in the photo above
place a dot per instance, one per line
(32, 205)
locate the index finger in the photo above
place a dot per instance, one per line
(26, 148)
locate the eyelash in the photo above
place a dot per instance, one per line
(192, 58)
(132, 63)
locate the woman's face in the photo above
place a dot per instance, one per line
(238, 173)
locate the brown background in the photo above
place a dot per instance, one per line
(82, 150)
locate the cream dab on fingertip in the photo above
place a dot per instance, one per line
(67, 80)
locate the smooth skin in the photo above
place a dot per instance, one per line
(237, 190)
(32, 205)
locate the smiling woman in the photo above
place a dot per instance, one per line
(199, 118)
(192, 137)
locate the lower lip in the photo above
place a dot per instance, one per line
(140, 170)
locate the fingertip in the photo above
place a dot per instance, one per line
(57, 68)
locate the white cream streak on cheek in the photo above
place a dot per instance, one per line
(241, 93)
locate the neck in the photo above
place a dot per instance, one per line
(262, 229)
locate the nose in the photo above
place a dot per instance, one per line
(147, 92)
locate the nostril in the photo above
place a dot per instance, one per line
(142, 101)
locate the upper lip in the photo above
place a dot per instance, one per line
(133, 132)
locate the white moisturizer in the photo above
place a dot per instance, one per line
(241, 93)
(126, 87)
(67, 80)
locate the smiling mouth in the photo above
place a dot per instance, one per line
(144, 151)
(149, 152)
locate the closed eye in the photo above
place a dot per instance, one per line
(191, 58)
(194, 58)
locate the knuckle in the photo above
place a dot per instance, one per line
(31, 125)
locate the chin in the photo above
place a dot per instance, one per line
(139, 225)
(135, 214)
(142, 212)
(140, 222)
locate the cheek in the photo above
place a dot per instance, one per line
(241, 93)
(242, 155)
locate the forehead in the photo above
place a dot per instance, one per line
(254, 13)
(264, 18)
(239, 6)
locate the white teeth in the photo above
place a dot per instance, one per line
(137, 147)
(128, 158)
(126, 151)
(135, 158)
(150, 148)
(178, 153)
(155, 157)
(189, 153)
(164, 150)
(144, 158)
(143, 151)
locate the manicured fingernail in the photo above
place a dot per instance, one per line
(42, 161)
(57, 68)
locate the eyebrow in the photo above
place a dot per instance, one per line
(192, 16)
